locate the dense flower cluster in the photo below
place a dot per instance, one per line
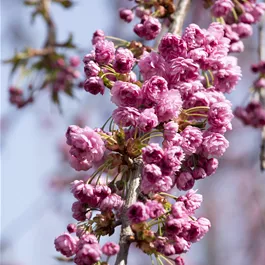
(238, 16)
(254, 113)
(162, 228)
(179, 99)
(149, 12)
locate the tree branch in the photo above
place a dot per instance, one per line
(261, 52)
(131, 197)
(179, 16)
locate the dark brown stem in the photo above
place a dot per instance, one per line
(131, 197)
(179, 16)
(261, 51)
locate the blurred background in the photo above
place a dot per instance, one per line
(35, 197)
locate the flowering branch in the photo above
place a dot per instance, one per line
(179, 16)
(126, 231)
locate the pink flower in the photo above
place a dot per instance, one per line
(170, 130)
(153, 89)
(147, 120)
(194, 36)
(192, 201)
(220, 115)
(174, 156)
(182, 69)
(242, 29)
(66, 244)
(152, 173)
(192, 139)
(91, 69)
(126, 94)
(123, 61)
(79, 210)
(151, 28)
(178, 209)
(98, 35)
(152, 153)
(126, 116)
(172, 46)
(88, 253)
(86, 144)
(94, 85)
(155, 209)
(181, 245)
(104, 52)
(83, 165)
(152, 64)
(214, 144)
(169, 106)
(110, 249)
(138, 213)
(221, 8)
(126, 14)
(210, 166)
(111, 202)
(185, 181)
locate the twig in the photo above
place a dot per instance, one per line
(261, 51)
(179, 16)
(131, 197)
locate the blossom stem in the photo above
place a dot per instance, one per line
(131, 197)
(199, 108)
(168, 195)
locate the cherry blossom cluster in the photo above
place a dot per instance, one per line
(85, 246)
(165, 230)
(149, 13)
(254, 113)
(238, 17)
(178, 100)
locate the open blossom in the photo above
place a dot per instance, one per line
(191, 200)
(221, 8)
(155, 209)
(83, 165)
(192, 139)
(111, 202)
(126, 116)
(66, 244)
(152, 173)
(220, 115)
(79, 210)
(110, 249)
(138, 213)
(152, 64)
(152, 153)
(147, 120)
(126, 94)
(174, 156)
(170, 130)
(123, 61)
(104, 52)
(91, 69)
(154, 88)
(214, 144)
(172, 46)
(169, 106)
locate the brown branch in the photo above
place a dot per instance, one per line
(179, 16)
(261, 53)
(131, 197)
